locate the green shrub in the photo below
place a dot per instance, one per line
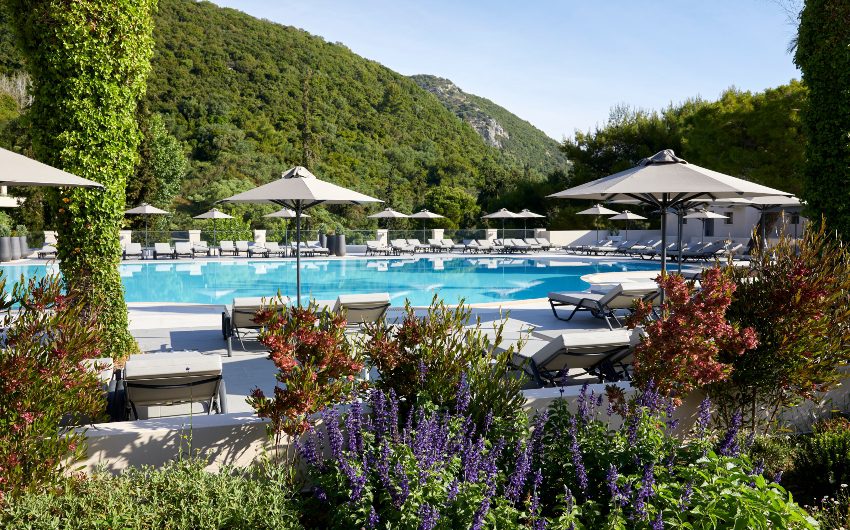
(181, 495)
(21, 230)
(822, 462)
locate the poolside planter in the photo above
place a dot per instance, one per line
(323, 240)
(25, 247)
(330, 244)
(16, 247)
(5, 248)
(340, 245)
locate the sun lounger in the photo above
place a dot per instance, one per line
(517, 245)
(362, 309)
(133, 250)
(47, 251)
(316, 248)
(451, 246)
(273, 248)
(400, 246)
(603, 305)
(470, 245)
(418, 246)
(226, 247)
(238, 319)
(438, 245)
(257, 250)
(376, 247)
(532, 242)
(201, 249)
(484, 245)
(544, 243)
(242, 247)
(163, 250)
(172, 379)
(549, 361)
(183, 248)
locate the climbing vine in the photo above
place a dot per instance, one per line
(823, 55)
(89, 60)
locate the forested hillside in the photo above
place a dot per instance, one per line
(248, 98)
(500, 128)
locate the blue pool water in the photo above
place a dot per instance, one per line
(475, 279)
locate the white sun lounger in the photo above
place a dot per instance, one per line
(226, 247)
(163, 250)
(603, 305)
(238, 319)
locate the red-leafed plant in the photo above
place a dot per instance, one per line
(316, 365)
(685, 347)
(45, 382)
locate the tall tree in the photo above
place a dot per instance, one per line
(823, 55)
(89, 61)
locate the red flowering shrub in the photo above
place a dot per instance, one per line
(44, 382)
(317, 365)
(796, 297)
(687, 346)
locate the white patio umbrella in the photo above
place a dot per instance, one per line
(284, 213)
(527, 214)
(628, 217)
(147, 210)
(666, 181)
(388, 213)
(703, 215)
(214, 214)
(18, 170)
(299, 189)
(598, 210)
(425, 215)
(502, 214)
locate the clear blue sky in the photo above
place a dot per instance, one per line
(560, 64)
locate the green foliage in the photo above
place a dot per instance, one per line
(180, 495)
(795, 297)
(43, 383)
(822, 462)
(456, 204)
(823, 55)
(161, 168)
(88, 61)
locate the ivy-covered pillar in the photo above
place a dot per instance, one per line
(823, 55)
(88, 61)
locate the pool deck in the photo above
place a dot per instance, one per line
(181, 326)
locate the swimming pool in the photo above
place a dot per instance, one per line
(475, 279)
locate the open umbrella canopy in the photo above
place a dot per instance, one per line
(504, 213)
(215, 213)
(18, 170)
(145, 209)
(597, 209)
(284, 213)
(528, 214)
(627, 216)
(389, 213)
(425, 214)
(299, 189)
(705, 214)
(666, 181)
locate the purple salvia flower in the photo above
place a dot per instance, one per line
(704, 417)
(616, 494)
(463, 396)
(453, 489)
(403, 484)
(373, 520)
(539, 428)
(534, 509)
(778, 477)
(685, 500)
(658, 523)
(610, 409)
(379, 414)
(488, 422)
(335, 441)
(514, 489)
(480, 514)
(308, 450)
(583, 410)
(428, 517)
(578, 463)
(422, 371)
(392, 415)
(320, 494)
(729, 446)
(354, 428)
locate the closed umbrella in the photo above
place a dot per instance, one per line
(214, 214)
(502, 214)
(284, 213)
(425, 215)
(628, 217)
(666, 181)
(598, 210)
(527, 214)
(299, 189)
(147, 210)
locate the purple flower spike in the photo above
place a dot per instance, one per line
(658, 523)
(730, 446)
(373, 520)
(704, 417)
(463, 395)
(428, 517)
(685, 500)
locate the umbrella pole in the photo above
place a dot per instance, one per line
(298, 251)
(424, 239)
(680, 214)
(215, 233)
(663, 239)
